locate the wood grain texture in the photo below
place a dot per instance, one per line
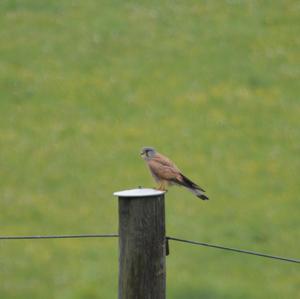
(142, 267)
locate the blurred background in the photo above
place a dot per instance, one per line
(214, 85)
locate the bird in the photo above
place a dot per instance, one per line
(166, 173)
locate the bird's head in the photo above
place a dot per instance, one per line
(147, 153)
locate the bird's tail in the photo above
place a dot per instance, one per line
(194, 188)
(198, 193)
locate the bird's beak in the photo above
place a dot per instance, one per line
(142, 154)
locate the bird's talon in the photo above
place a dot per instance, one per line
(162, 189)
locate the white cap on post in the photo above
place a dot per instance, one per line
(140, 192)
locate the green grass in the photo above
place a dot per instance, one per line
(212, 84)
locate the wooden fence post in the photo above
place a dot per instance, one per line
(142, 244)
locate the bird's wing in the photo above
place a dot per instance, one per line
(164, 172)
(190, 184)
(163, 160)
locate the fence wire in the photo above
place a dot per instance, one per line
(286, 259)
(79, 236)
(59, 236)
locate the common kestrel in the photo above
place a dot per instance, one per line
(165, 172)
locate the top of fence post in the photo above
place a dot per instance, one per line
(139, 192)
(142, 244)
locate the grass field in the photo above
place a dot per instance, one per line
(212, 84)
